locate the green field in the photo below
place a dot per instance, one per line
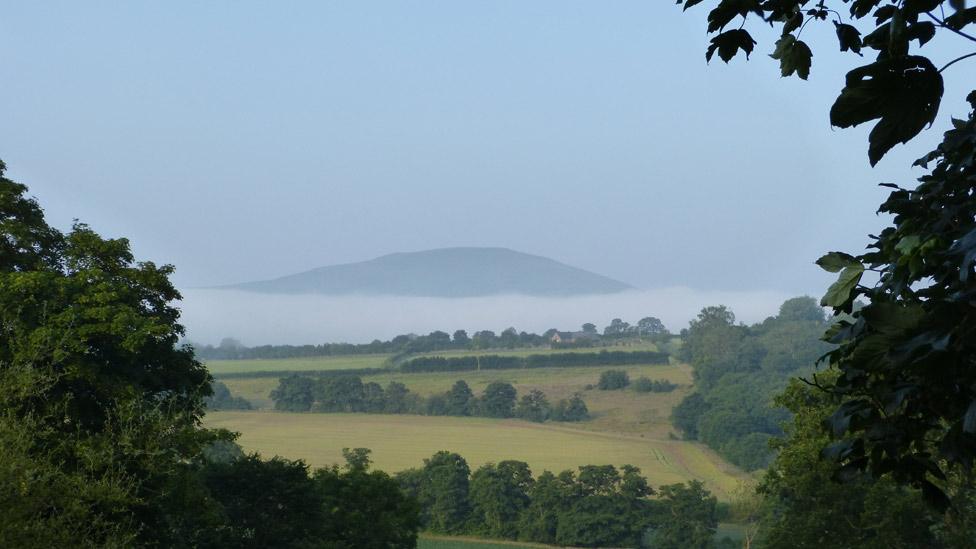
(403, 441)
(344, 362)
(218, 367)
(446, 542)
(526, 351)
(617, 411)
(735, 532)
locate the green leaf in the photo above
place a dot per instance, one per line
(903, 93)
(849, 37)
(792, 23)
(835, 261)
(860, 8)
(934, 496)
(839, 293)
(727, 10)
(923, 32)
(884, 13)
(961, 18)
(918, 7)
(729, 43)
(794, 56)
(907, 244)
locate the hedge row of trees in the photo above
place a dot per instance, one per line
(510, 338)
(550, 360)
(281, 503)
(595, 506)
(612, 380)
(222, 399)
(350, 394)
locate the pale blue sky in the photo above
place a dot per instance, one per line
(242, 140)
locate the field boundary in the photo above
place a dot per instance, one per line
(475, 539)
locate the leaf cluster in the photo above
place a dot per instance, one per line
(907, 359)
(900, 89)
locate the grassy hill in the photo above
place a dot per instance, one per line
(618, 411)
(446, 272)
(626, 426)
(403, 441)
(319, 363)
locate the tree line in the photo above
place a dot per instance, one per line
(405, 344)
(595, 506)
(101, 442)
(222, 399)
(550, 360)
(739, 369)
(350, 394)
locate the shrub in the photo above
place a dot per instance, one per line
(613, 379)
(647, 385)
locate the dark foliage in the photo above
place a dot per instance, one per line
(647, 385)
(907, 359)
(901, 90)
(552, 360)
(597, 506)
(349, 394)
(533, 407)
(222, 399)
(498, 400)
(572, 409)
(267, 503)
(613, 379)
(738, 369)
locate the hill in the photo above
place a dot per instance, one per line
(445, 272)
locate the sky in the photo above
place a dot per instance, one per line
(243, 141)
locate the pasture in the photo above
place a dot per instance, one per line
(526, 351)
(356, 362)
(403, 441)
(451, 542)
(343, 362)
(619, 411)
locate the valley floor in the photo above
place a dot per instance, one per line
(403, 441)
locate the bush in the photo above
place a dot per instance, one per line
(222, 399)
(533, 407)
(573, 409)
(613, 379)
(647, 385)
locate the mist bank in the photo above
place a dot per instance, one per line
(263, 319)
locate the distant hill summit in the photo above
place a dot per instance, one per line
(446, 272)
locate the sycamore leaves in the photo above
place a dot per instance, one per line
(900, 90)
(849, 37)
(727, 10)
(841, 293)
(794, 56)
(729, 43)
(903, 94)
(906, 376)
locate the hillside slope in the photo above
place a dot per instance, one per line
(446, 272)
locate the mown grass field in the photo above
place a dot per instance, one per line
(402, 441)
(344, 362)
(446, 542)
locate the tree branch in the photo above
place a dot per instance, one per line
(947, 27)
(956, 60)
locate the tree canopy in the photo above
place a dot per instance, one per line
(901, 88)
(905, 360)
